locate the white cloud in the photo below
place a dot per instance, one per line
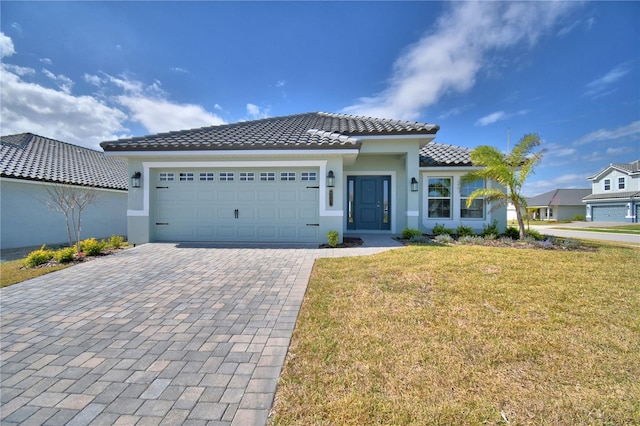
(63, 82)
(160, 115)
(6, 46)
(46, 61)
(255, 112)
(603, 85)
(82, 120)
(88, 120)
(630, 130)
(491, 118)
(498, 116)
(449, 58)
(280, 83)
(180, 70)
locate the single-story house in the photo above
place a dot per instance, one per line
(32, 164)
(294, 179)
(559, 204)
(615, 194)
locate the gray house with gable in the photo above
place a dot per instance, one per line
(29, 164)
(296, 177)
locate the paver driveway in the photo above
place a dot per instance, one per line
(158, 334)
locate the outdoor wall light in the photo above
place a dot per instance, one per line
(331, 179)
(135, 180)
(414, 185)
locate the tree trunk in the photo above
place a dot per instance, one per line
(520, 221)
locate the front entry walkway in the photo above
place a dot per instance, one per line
(157, 334)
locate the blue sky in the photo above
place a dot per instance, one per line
(85, 72)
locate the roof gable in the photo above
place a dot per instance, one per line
(316, 130)
(32, 157)
(631, 169)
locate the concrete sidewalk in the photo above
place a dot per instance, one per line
(157, 334)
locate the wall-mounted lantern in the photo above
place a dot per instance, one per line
(414, 185)
(331, 179)
(135, 180)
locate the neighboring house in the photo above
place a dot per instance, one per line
(559, 204)
(30, 164)
(615, 194)
(294, 178)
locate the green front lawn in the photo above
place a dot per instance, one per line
(12, 272)
(467, 335)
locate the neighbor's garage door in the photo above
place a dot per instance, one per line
(237, 205)
(613, 213)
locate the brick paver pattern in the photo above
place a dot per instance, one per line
(161, 334)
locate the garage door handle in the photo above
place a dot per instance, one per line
(162, 223)
(235, 213)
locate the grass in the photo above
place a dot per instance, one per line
(467, 335)
(11, 272)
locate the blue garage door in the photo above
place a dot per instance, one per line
(613, 213)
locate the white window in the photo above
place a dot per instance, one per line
(439, 198)
(606, 185)
(308, 176)
(207, 176)
(186, 176)
(166, 177)
(476, 210)
(226, 176)
(267, 176)
(247, 176)
(288, 176)
(622, 183)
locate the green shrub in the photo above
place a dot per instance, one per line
(92, 247)
(464, 231)
(532, 233)
(441, 230)
(64, 255)
(512, 233)
(332, 238)
(410, 233)
(443, 238)
(116, 241)
(578, 218)
(38, 257)
(490, 229)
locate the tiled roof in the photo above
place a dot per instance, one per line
(625, 195)
(32, 157)
(559, 197)
(316, 130)
(436, 154)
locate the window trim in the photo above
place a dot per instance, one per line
(463, 202)
(621, 180)
(605, 183)
(430, 198)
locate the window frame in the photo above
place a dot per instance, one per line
(442, 199)
(464, 197)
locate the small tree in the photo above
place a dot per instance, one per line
(71, 202)
(510, 171)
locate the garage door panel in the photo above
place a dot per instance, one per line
(288, 195)
(266, 211)
(267, 195)
(612, 213)
(246, 196)
(226, 195)
(309, 233)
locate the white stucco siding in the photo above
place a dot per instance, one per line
(27, 222)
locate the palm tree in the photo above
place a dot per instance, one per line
(510, 171)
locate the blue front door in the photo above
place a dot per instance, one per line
(368, 202)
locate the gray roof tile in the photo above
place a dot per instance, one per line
(438, 155)
(315, 130)
(559, 197)
(32, 157)
(624, 195)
